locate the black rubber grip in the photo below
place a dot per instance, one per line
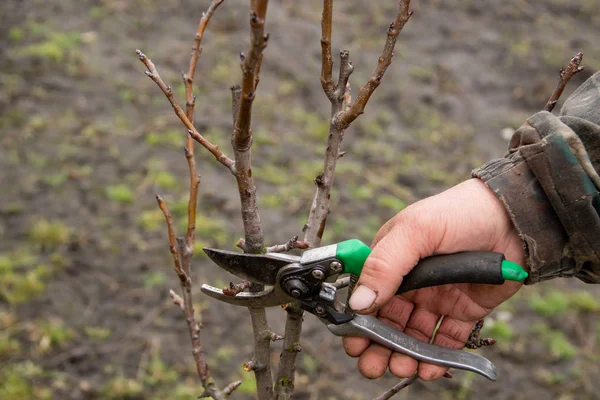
(467, 267)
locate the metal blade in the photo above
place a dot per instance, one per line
(271, 297)
(372, 328)
(260, 268)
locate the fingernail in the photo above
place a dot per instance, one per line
(362, 298)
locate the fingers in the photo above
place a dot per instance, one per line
(373, 362)
(391, 259)
(355, 346)
(453, 334)
(395, 313)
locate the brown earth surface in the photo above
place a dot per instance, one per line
(86, 139)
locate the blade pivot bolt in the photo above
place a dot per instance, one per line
(318, 274)
(336, 267)
(295, 288)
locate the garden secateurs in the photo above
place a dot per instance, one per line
(309, 279)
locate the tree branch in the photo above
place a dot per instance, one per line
(284, 384)
(242, 132)
(326, 59)
(153, 74)
(384, 61)
(293, 243)
(188, 78)
(187, 305)
(242, 142)
(262, 353)
(188, 81)
(397, 387)
(573, 67)
(242, 135)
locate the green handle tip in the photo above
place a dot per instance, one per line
(513, 272)
(352, 253)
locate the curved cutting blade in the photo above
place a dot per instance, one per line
(260, 268)
(267, 298)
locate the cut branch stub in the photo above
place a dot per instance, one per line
(573, 67)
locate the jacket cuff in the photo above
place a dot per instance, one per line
(553, 204)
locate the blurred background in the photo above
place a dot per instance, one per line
(86, 139)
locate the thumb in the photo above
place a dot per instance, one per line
(392, 258)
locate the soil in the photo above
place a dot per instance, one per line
(86, 139)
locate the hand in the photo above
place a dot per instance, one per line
(467, 217)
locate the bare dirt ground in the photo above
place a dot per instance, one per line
(86, 139)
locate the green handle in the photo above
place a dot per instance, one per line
(353, 253)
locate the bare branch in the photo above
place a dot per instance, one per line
(188, 305)
(326, 58)
(242, 132)
(236, 94)
(284, 384)
(262, 353)
(565, 74)
(229, 389)
(242, 136)
(257, 73)
(153, 74)
(171, 233)
(253, 241)
(384, 61)
(188, 81)
(293, 243)
(188, 78)
(397, 387)
(177, 299)
(346, 69)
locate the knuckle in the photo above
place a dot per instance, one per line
(397, 310)
(442, 339)
(455, 330)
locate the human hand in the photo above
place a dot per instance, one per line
(467, 217)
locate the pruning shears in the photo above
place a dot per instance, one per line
(310, 279)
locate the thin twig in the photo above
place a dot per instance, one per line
(383, 63)
(293, 243)
(408, 381)
(573, 67)
(188, 305)
(188, 78)
(214, 149)
(190, 102)
(397, 387)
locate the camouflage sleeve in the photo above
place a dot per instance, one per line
(549, 185)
